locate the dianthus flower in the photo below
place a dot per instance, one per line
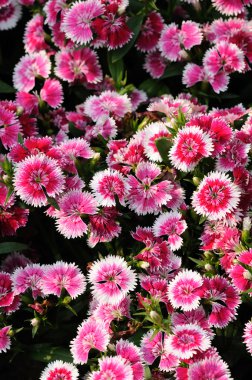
(216, 196)
(26, 278)
(59, 370)
(155, 64)
(90, 334)
(184, 290)
(156, 287)
(112, 367)
(103, 226)
(13, 261)
(30, 146)
(131, 354)
(6, 294)
(74, 206)
(9, 127)
(5, 341)
(52, 93)
(107, 312)
(150, 32)
(111, 279)
(240, 273)
(247, 336)
(10, 15)
(34, 37)
(152, 133)
(36, 175)
(197, 317)
(72, 149)
(234, 155)
(144, 196)
(233, 7)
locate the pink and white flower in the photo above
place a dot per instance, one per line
(52, 93)
(26, 278)
(112, 367)
(10, 15)
(5, 341)
(111, 279)
(131, 353)
(212, 366)
(247, 336)
(233, 7)
(241, 271)
(34, 37)
(10, 127)
(59, 370)
(152, 133)
(6, 295)
(155, 64)
(107, 312)
(103, 226)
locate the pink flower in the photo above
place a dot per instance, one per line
(10, 15)
(77, 20)
(109, 103)
(26, 278)
(170, 224)
(73, 149)
(9, 127)
(216, 196)
(11, 219)
(152, 133)
(212, 366)
(150, 32)
(81, 64)
(90, 334)
(247, 336)
(233, 7)
(6, 295)
(30, 146)
(30, 67)
(234, 155)
(52, 93)
(241, 271)
(144, 196)
(185, 290)
(34, 37)
(155, 64)
(187, 340)
(36, 175)
(192, 74)
(111, 279)
(74, 206)
(59, 370)
(59, 276)
(103, 226)
(132, 356)
(190, 146)
(5, 341)
(13, 261)
(107, 312)
(137, 97)
(173, 41)
(112, 368)
(157, 288)
(107, 185)
(197, 316)
(28, 101)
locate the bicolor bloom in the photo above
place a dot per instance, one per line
(10, 15)
(107, 185)
(52, 93)
(111, 279)
(5, 341)
(155, 64)
(10, 127)
(59, 370)
(6, 294)
(34, 37)
(241, 271)
(190, 145)
(197, 317)
(73, 149)
(170, 224)
(150, 32)
(107, 312)
(103, 226)
(37, 177)
(247, 336)
(112, 367)
(153, 132)
(75, 205)
(212, 366)
(131, 353)
(230, 8)
(61, 275)
(30, 146)
(90, 334)
(216, 196)
(26, 278)
(184, 290)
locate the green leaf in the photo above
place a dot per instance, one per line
(163, 146)
(6, 88)
(154, 87)
(10, 246)
(45, 353)
(172, 70)
(134, 23)
(147, 373)
(202, 219)
(199, 262)
(116, 68)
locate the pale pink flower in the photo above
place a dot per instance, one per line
(155, 64)
(73, 149)
(10, 15)
(90, 334)
(81, 64)
(173, 41)
(247, 336)
(216, 196)
(112, 368)
(131, 353)
(10, 127)
(26, 278)
(184, 290)
(34, 37)
(5, 341)
(74, 206)
(77, 20)
(144, 196)
(234, 155)
(103, 226)
(28, 68)
(59, 370)
(190, 145)
(108, 185)
(36, 175)
(170, 224)
(61, 275)
(111, 279)
(150, 32)
(187, 340)
(108, 103)
(52, 93)
(152, 133)
(241, 271)
(232, 7)
(212, 366)
(107, 312)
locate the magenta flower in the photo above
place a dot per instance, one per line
(9, 127)
(112, 368)
(90, 334)
(111, 279)
(72, 149)
(77, 20)
(107, 312)
(5, 341)
(240, 273)
(59, 276)
(190, 146)
(212, 366)
(34, 37)
(247, 336)
(52, 93)
(10, 13)
(30, 67)
(30, 146)
(35, 175)
(132, 356)
(145, 197)
(216, 196)
(197, 317)
(235, 155)
(59, 370)
(150, 32)
(74, 206)
(233, 7)
(26, 278)
(152, 133)
(155, 64)
(185, 290)
(6, 295)
(170, 224)
(108, 184)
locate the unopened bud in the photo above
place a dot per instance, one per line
(156, 318)
(35, 322)
(143, 264)
(208, 267)
(196, 181)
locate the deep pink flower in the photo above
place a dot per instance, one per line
(192, 74)
(77, 20)
(28, 68)
(26, 278)
(74, 206)
(216, 196)
(112, 368)
(11, 219)
(103, 226)
(247, 336)
(212, 366)
(59, 370)
(28, 101)
(234, 155)
(30, 146)
(90, 334)
(52, 93)
(10, 15)
(150, 32)
(34, 37)
(111, 279)
(144, 196)
(184, 290)
(81, 64)
(197, 316)
(156, 287)
(152, 133)
(155, 64)
(35, 175)
(178, 196)
(131, 353)
(59, 276)
(170, 224)
(231, 7)
(9, 127)
(6, 295)
(240, 273)
(5, 341)
(72, 149)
